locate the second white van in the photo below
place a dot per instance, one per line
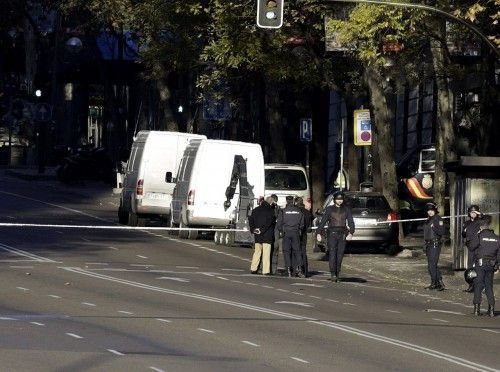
(287, 179)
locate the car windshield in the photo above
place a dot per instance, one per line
(372, 202)
(285, 179)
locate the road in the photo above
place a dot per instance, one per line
(114, 300)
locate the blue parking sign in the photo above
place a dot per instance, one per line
(306, 130)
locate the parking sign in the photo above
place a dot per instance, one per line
(306, 130)
(362, 128)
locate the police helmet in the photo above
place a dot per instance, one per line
(431, 207)
(469, 275)
(474, 208)
(485, 222)
(339, 195)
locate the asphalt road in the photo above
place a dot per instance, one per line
(114, 300)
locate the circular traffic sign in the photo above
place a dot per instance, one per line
(366, 136)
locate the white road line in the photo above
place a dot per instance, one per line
(205, 330)
(317, 297)
(54, 296)
(309, 285)
(21, 267)
(141, 265)
(349, 304)
(394, 311)
(88, 304)
(74, 335)
(125, 312)
(444, 311)
(182, 280)
(240, 270)
(251, 343)
(221, 277)
(115, 352)
(283, 290)
(164, 320)
(263, 286)
(303, 304)
(22, 288)
(440, 320)
(300, 360)
(97, 263)
(329, 299)
(490, 330)
(6, 318)
(38, 324)
(337, 326)
(113, 248)
(20, 252)
(251, 283)
(141, 256)
(298, 293)
(238, 281)
(157, 369)
(187, 267)
(85, 239)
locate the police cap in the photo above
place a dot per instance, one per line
(431, 207)
(339, 195)
(474, 208)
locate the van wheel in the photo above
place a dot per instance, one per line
(122, 217)
(216, 237)
(183, 234)
(222, 238)
(192, 234)
(172, 224)
(229, 239)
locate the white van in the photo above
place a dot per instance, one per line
(151, 169)
(203, 177)
(287, 179)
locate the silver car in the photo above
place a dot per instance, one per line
(368, 209)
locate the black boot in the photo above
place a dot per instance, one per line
(491, 311)
(300, 274)
(440, 286)
(477, 309)
(289, 272)
(432, 286)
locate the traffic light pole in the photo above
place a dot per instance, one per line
(428, 8)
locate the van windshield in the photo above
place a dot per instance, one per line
(285, 179)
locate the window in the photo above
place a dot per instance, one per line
(285, 179)
(368, 202)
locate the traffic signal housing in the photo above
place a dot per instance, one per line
(270, 13)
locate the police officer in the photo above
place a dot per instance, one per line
(340, 228)
(308, 217)
(470, 234)
(290, 224)
(433, 232)
(487, 262)
(275, 248)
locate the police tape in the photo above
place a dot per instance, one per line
(117, 227)
(425, 218)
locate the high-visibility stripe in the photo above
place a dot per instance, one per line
(416, 189)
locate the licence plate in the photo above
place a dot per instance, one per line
(365, 222)
(156, 196)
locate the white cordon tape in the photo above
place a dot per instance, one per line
(425, 218)
(95, 227)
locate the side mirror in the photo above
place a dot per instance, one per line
(168, 177)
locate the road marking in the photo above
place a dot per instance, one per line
(300, 360)
(141, 265)
(182, 280)
(97, 263)
(329, 299)
(156, 369)
(317, 297)
(21, 267)
(490, 330)
(20, 252)
(187, 267)
(250, 343)
(394, 311)
(74, 335)
(303, 304)
(205, 330)
(251, 283)
(85, 239)
(240, 270)
(263, 286)
(221, 277)
(54, 296)
(164, 320)
(88, 304)
(6, 318)
(440, 320)
(298, 293)
(308, 285)
(125, 312)
(113, 248)
(115, 352)
(337, 326)
(444, 311)
(282, 290)
(348, 304)
(141, 256)
(38, 324)
(22, 288)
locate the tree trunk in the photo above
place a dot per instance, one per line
(383, 144)
(445, 135)
(277, 153)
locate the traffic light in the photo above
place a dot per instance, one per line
(270, 13)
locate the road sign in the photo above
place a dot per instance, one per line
(43, 112)
(362, 128)
(306, 130)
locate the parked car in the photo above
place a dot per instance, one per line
(368, 208)
(150, 175)
(287, 179)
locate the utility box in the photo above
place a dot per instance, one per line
(476, 181)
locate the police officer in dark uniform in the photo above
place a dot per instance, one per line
(470, 234)
(275, 248)
(308, 217)
(290, 224)
(340, 228)
(434, 230)
(487, 262)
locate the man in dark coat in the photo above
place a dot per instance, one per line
(470, 233)
(262, 224)
(308, 217)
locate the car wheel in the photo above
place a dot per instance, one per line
(393, 249)
(216, 237)
(229, 239)
(192, 234)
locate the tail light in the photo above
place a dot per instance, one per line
(191, 197)
(140, 187)
(392, 216)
